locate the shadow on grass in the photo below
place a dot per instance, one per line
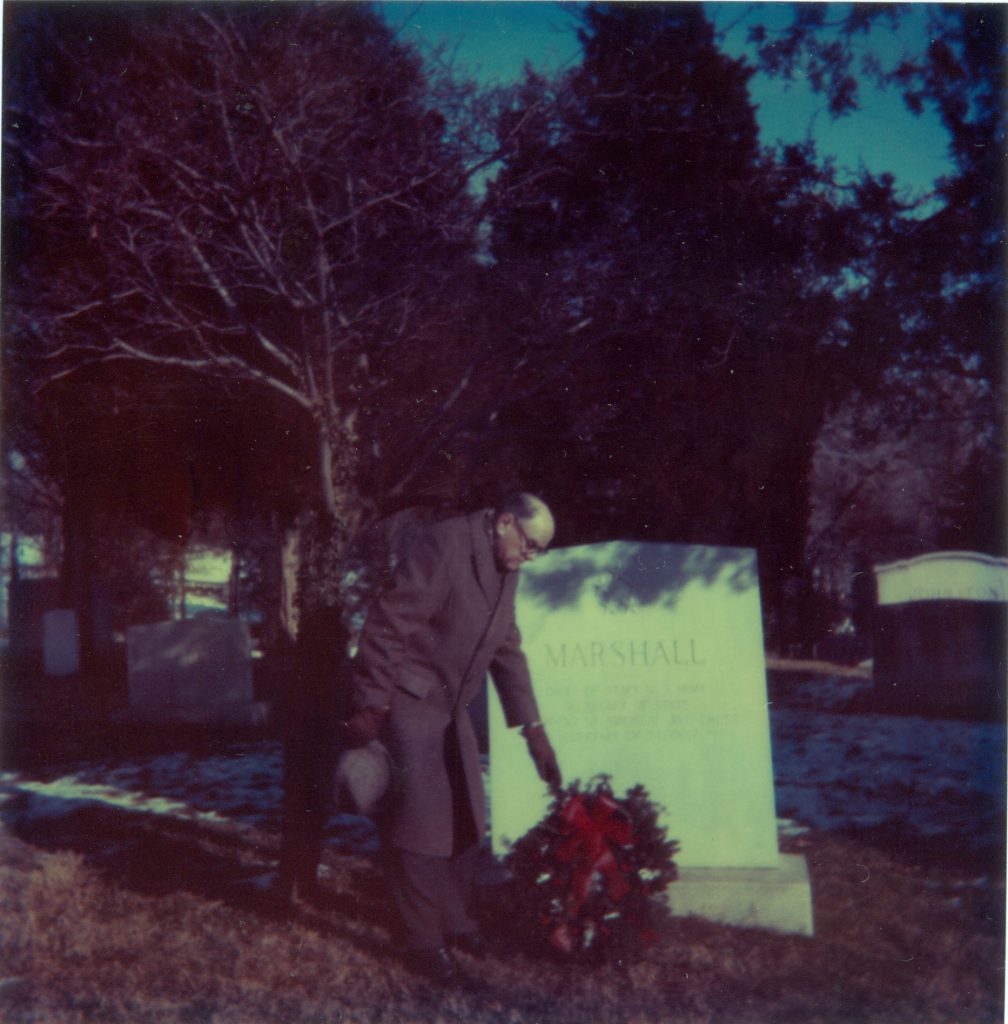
(157, 856)
(944, 852)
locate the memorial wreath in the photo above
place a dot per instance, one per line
(589, 879)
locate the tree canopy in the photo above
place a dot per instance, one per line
(699, 275)
(246, 237)
(258, 195)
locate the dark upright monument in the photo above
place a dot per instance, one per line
(940, 635)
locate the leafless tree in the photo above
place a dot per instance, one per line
(273, 196)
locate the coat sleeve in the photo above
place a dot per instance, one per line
(419, 589)
(510, 673)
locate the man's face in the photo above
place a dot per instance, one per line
(517, 541)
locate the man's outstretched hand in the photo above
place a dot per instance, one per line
(541, 752)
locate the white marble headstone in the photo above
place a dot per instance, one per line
(190, 663)
(648, 665)
(943, 576)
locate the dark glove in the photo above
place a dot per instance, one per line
(541, 752)
(363, 726)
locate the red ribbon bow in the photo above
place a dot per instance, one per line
(590, 831)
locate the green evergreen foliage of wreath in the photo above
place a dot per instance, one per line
(592, 889)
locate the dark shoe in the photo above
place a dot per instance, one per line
(474, 943)
(439, 965)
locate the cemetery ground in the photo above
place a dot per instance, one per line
(132, 881)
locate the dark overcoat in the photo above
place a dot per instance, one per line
(424, 652)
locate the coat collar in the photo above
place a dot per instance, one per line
(491, 580)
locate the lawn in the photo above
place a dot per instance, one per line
(170, 927)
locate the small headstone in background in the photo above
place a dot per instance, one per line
(191, 669)
(940, 635)
(28, 601)
(60, 642)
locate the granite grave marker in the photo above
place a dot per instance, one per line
(648, 664)
(191, 669)
(941, 635)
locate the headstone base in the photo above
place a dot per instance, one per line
(777, 898)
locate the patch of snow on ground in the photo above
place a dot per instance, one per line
(922, 778)
(930, 777)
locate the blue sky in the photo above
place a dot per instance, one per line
(492, 40)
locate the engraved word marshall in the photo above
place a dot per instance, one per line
(625, 653)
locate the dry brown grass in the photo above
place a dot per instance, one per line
(164, 931)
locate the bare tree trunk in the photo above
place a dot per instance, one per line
(326, 480)
(77, 570)
(314, 548)
(289, 562)
(314, 556)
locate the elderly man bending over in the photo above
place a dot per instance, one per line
(426, 646)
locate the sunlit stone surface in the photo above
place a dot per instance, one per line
(648, 664)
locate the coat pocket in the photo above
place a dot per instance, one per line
(416, 684)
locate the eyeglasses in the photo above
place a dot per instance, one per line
(528, 546)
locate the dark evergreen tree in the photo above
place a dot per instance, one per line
(930, 301)
(690, 278)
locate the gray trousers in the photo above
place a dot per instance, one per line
(433, 895)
